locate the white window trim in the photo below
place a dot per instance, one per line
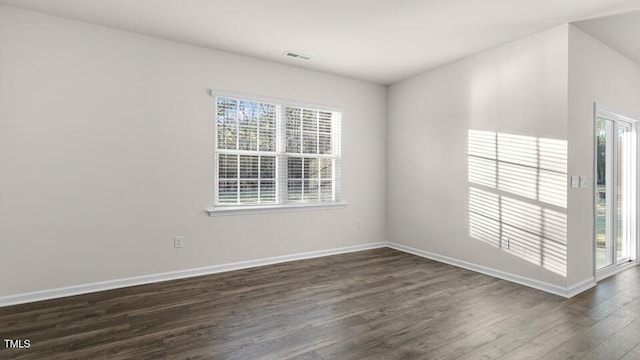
(219, 210)
(265, 209)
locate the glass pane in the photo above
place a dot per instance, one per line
(310, 120)
(267, 167)
(248, 167)
(228, 191)
(325, 122)
(294, 168)
(602, 184)
(326, 190)
(267, 192)
(310, 190)
(623, 196)
(293, 141)
(267, 127)
(294, 190)
(293, 119)
(310, 143)
(326, 168)
(267, 140)
(311, 168)
(226, 122)
(248, 138)
(325, 144)
(267, 117)
(248, 113)
(248, 191)
(227, 166)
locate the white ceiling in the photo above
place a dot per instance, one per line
(621, 32)
(382, 41)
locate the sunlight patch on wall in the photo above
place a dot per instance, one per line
(517, 200)
(482, 171)
(534, 168)
(516, 179)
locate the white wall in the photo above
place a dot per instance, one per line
(597, 74)
(106, 153)
(517, 91)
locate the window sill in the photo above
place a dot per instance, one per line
(244, 210)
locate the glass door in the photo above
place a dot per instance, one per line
(623, 192)
(604, 185)
(615, 194)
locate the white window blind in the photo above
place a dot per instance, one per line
(275, 153)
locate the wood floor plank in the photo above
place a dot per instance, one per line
(619, 344)
(375, 304)
(540, 345)
(590, 338)
(633, 354)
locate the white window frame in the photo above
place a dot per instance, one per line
(281, 159)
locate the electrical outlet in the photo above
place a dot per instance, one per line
(178, 242)
(359, 224)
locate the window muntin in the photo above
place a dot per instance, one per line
(246, 179)
(275, 154)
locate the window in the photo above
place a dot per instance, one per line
(275, 154)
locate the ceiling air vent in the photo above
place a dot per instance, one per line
(297, 56)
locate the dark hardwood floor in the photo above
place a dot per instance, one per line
(376, 304)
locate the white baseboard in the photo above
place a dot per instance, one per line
(540, 285)
(173, 275)
(581, 286)
(181, 274)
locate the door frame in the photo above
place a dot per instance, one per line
(615, 116)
